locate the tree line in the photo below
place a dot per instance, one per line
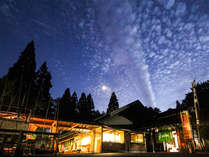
(25, 90)
(70, 108)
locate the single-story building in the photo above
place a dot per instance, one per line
(131, 128)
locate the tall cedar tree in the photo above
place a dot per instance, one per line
(113, 104)
(43, 86)
(84, 111)
(90, 104)
(74, 105)
(65, 106)
(3, 83)
(21, 78)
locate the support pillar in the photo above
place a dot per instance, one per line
(153, 140)
(19, 149)
(101, 139)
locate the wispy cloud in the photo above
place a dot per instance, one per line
(155, 52)
(121, 47)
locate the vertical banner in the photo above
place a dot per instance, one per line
(186, 125)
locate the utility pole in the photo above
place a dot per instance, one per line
(196, 108)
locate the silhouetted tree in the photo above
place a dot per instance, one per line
(3, 89)
(113, 104)
(1, 86)
(25, 89)
(43, 86)
(65, 106)
(90, 103)
(74, 104)
(156, 110)
(21, 78)
(57, 108)
(84, 110)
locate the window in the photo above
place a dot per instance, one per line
(113, 136)
(137, 138)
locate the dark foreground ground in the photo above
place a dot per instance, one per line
(133, 155)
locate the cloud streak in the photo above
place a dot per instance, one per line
(122, 48)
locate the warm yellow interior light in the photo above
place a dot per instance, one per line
(137, 138)
(85, 140)
(108, 137)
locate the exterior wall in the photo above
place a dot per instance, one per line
(104, 140)
(137, 147)
(127, 141)
(125, 146)
(113, 140)
(13, 124)
(113, 147)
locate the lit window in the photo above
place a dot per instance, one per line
(108, 137)
(113, 136)
(136, 138)
(117, 138)
(86, 140)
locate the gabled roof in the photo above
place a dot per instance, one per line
(137, 102)
(126, 117)
(169, 117)
(118, 111)
(136, 116)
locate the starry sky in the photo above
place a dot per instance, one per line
(149, 50)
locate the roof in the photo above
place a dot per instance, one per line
(47, 123)
(140, 116)
(169, 117)
(137, 102)
(118, 111)
(131, 116)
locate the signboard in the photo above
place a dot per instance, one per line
(186, 125)
(31, 136)
(165, 136)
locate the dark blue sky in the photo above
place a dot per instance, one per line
(149, 50)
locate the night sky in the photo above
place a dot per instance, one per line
(149, 50)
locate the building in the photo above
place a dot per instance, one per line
(113, 132)
(72, 137)
(131, 128)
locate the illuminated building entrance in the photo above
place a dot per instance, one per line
(84, 138)
(170, 141)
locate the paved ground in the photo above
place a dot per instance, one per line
(135, 155)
